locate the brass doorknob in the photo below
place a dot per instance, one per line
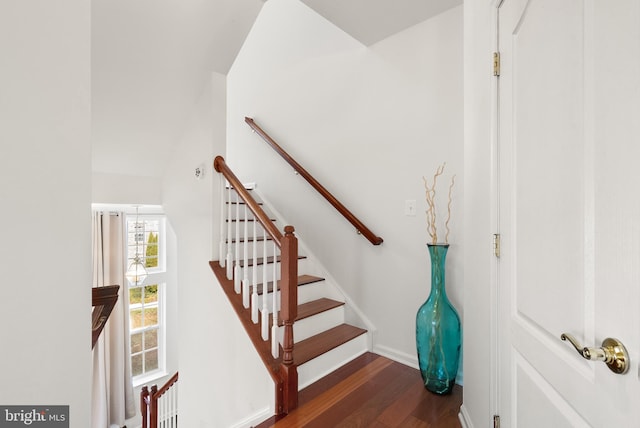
(612, 353)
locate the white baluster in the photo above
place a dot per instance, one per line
(168, 416)
(169, 408)
(222, 247)
(265, 293)
(160, 407)
(245, 279)
(175, 406)
(237, 271)
(229, 258)
(254, 276)
(165, 408)
(275, 349)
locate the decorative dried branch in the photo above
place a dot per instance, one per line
(430, 195)
(446, 223)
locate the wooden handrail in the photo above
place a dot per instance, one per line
(221, 166)
(282, 369)
(166, 386)
(360, 227)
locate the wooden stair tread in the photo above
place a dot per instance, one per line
(261, 260)
(319, 344)
(243, 240)
(306, 310)
(309, 309)
(250, 220)
(241, 203)
(314, 307)
(302, 280)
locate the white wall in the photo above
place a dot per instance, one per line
(125, 189)
(222, 379)
(368, 123)
(45, 192)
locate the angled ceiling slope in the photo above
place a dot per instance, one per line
(370, 21)
(150, 61)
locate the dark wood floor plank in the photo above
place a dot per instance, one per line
(364, 404)
(394, 415)
(335, 377)
(309, 413)
(379, 393)
(437, 409)
(413, 422)
(372, 392)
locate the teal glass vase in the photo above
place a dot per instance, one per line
(438, 334)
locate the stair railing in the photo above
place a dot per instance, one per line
(268, 244)
(159, 407)
(360, 227)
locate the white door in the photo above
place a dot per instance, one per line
(569, 210)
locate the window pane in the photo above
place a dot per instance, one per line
(135, 318)
(136, 365)
(136, 343)
(150, 339)
(150, 316)
(146, 239)
(135, 295)
(151, 293)
(150, 360)
(151, 261)
(151, 250)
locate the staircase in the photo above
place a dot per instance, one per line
(296, 322)
(323, 341)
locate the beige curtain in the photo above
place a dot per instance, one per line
(112, 400)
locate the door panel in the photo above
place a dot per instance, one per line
(569, 215)
(550, 409)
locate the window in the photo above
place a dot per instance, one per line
(145, 238)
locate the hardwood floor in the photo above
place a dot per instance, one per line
(372, 392)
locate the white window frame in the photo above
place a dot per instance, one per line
(156, 276)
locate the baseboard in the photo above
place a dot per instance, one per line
(463, 417)
(409, 360)
(395, 355)
(254, 419)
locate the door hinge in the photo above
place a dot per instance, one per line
(496, 421)
(496, 63)
(496, 244)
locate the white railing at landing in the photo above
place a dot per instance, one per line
(240, 254)
(159, 407)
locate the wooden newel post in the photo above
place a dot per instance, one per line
(144, 396)
(288, 313)
(153, 407)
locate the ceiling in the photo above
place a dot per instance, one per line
(151, 59)
(370, 21)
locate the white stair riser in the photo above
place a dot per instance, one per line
(306, 293)
(321, 366)
(259, 248)
(242, 233)
(269, 267)
(318, 323)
